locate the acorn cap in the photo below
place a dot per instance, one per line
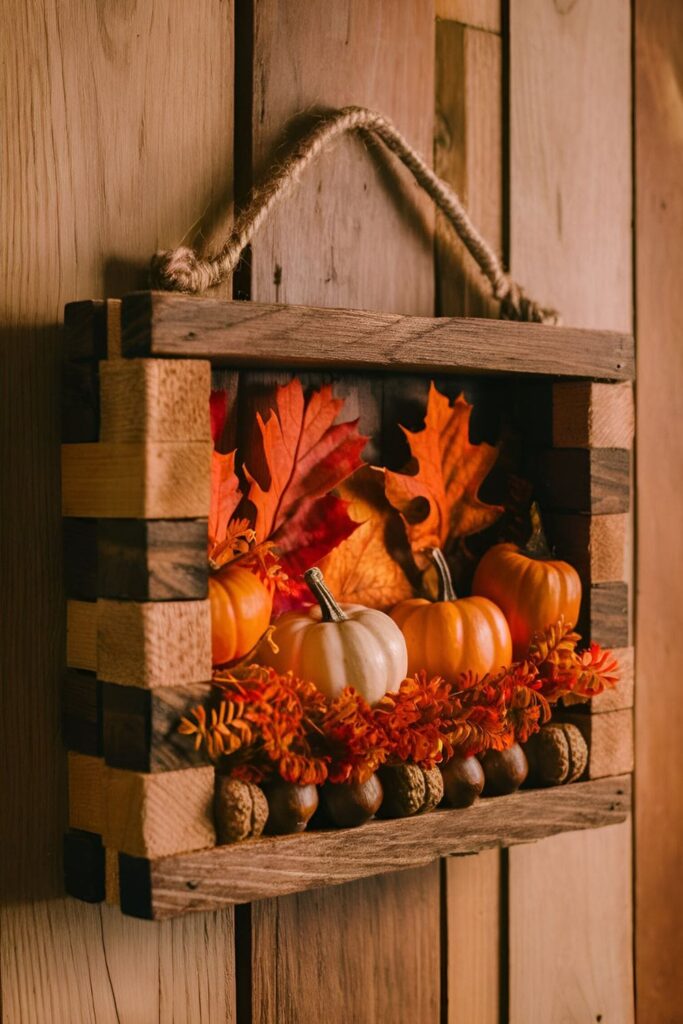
(240, 810)
(557, 754)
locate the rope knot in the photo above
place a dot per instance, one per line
(180, 270)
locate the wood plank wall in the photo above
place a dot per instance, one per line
(119, 139)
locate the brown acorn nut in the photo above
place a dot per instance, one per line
(349, 804)
(504, 770)
(557, 754)
(290, 807)
(409, 789)
(240, 810)
(463, 781)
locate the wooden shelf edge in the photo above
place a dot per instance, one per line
(232, 333)
(268, 867)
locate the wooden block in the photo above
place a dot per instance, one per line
(152, 560)
(590, 415)
(610, 741)
(81, 635)
(136, 480)
(155, 400)
(79, 539)
(111, 877)
(86, 792)
(84, 866)
(159, 815)
(166, 643)
(80, 402)
(140, 727)
(248, 333)
(595, 480)
(604, 615)
(275, 866)
(595, 545)
(85, 330)
(82, 712)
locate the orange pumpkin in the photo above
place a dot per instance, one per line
(453, 635)
(241, 606)
(533, 590)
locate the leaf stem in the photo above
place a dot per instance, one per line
(328, 606)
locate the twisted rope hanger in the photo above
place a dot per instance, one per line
(182, 270)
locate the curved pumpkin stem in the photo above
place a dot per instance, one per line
(446, 588)
(328, 606)
(537, 545)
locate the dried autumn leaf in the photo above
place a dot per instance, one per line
(306, 455)
(450, 472)
(225, 497)
(361, 570)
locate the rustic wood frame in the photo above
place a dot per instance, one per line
(135, 476)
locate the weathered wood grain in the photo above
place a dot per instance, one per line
(140, 727)
(82, 712)
(659, 639)
(597, 546)
(248, 333)
(152, 560)
(260, 868)
(604, 614)
(593, 480)
(592, 978)
(158, 815)
(589, 415)
(95, 176)
(156, 643)
(136, 480)
(154, 400)
(394, 919)
(473, 938)
(84, 868)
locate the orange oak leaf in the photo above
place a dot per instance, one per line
(450, 472)
(306, 455)
(361, 570)
(225, 497)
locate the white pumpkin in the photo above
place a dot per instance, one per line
(335, 646)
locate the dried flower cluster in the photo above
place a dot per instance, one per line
(260, 724)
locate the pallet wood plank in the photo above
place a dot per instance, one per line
(158, 815)
(136, 480)
(585, 480)
(139, 727)
(473, 923)
(156, 643)
(590, 415)
(154, 400)
(81, 635)
(275, 866)
(248, 333)
(604, 615)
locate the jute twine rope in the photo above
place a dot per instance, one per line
(182, 270)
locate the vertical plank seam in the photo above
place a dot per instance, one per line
(504, 936)
(243, 964)
(443, 939)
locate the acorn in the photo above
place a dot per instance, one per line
(349, 804)
(504, 770)
(290, 807)
(240, 810)
(409, 789)
(463, 781)
(557, 754)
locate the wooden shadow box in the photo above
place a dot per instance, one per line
(135, 493)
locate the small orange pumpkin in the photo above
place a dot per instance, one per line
(533, 590)
(453, 635)
(241, 606)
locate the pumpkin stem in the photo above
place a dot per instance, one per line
(328, 606)
(537, 545)
(446, 588)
